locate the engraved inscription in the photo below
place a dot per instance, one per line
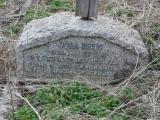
(74, 56)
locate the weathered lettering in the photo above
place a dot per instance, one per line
(74, 56)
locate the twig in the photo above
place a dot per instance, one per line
(39, 117)
(124, 105)
(9, 78)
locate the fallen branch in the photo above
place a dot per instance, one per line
(39, 117)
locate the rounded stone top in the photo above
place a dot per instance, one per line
(65, 24)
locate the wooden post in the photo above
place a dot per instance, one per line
(87, 9)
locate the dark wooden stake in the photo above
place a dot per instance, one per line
(87, 9)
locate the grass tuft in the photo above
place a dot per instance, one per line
(60, 102)
(2, 3)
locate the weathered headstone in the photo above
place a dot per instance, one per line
(63, 46)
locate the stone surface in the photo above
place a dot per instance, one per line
(63, 46)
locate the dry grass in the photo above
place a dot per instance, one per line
(143, 15)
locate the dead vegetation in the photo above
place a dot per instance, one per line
(143, 15)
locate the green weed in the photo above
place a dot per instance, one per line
(55, 5)
(24, 113)
(59, 102)
(2, 3)
(12, 30)
(35, 14)
(64, 5)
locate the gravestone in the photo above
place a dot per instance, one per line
(63, 46)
